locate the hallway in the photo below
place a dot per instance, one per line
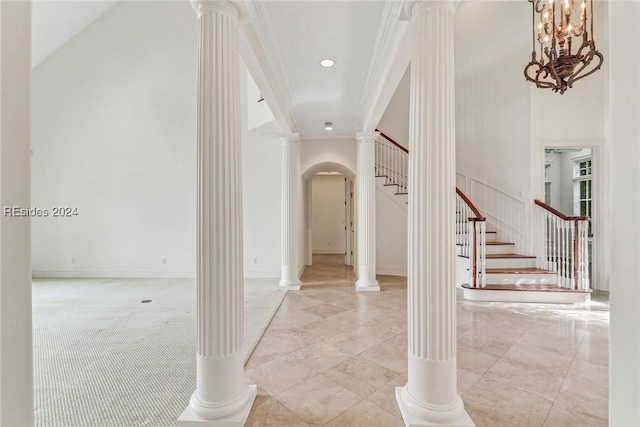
(332, 356)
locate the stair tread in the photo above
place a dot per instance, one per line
(509, 256)
(505, 256)
(536, 287)
(517, 271)
(400, 194)
(492, 243)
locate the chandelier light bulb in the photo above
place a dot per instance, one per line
(564, 50)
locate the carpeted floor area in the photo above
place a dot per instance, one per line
(103, 357)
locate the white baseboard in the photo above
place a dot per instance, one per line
(112, 274)
(388, 271)
(329, 251)
(301, 270)
(139, 274)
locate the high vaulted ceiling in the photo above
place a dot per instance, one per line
(56, 22)
(362, 37)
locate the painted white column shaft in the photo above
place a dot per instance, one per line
(366, 223)
(430, 396)
(222, 396)
(16, 359)
(290, 211)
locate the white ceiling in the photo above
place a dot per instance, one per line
(56, 22)
(296, 35)
(360, 36)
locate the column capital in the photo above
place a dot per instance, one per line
(367, 136)
(414, 8)
(289, 138)
(227, 7)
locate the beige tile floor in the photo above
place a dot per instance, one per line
(333, 357)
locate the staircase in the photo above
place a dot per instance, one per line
(557, 273)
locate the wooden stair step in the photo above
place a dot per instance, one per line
(526, 287)
(517, 271)
(511, 256)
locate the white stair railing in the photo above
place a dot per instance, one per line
(471, 234)
(392, 163)
(562, 246)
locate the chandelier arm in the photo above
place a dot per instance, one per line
(558, 68)
(577, 76)
(539, 83)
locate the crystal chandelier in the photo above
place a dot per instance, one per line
(558, 64)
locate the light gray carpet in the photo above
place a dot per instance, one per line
(103, 358)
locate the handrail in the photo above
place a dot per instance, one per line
(388, 138)
(469, 203)
(562, 246)
(392, 163)
(558, 213)
(473, 227)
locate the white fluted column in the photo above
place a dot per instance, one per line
(366, 192)
(222, 396)
(430, 396)
(290, 211)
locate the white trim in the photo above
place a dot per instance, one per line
(263, 27)
(389, 60)
(256, 62)
(553, 297)
(329, 251)
(390, 271)
(115, 274)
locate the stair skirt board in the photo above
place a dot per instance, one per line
(530, 294)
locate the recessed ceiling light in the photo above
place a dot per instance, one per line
(328, 126)
(327, 63)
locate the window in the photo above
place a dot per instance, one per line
(583, 189)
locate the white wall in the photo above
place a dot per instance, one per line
(395, 120)
(391, 231)
(328, 214)
(16, 356)
(114, 134)
(624, 138)
(261, 195)
(337, 151)
(493, 113)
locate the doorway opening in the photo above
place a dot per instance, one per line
(330, 218)
(570, 187)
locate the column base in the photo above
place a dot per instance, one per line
(411, 420)
(369, 285)
(189, 419)
(290, 285)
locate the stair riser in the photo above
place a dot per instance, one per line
(521, 279)
(500, 249)
(527, 296)
(511, 263)
(490, 237)
(491, 249)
